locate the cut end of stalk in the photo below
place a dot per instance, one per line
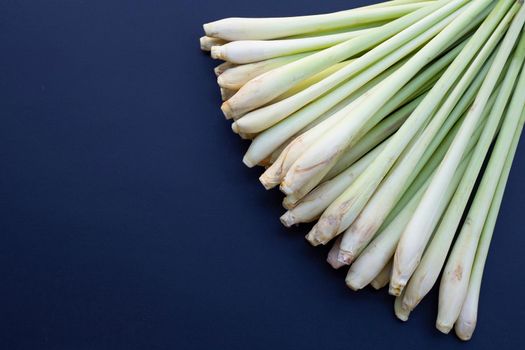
(207, 27)
(313, 238)
(402, 313)
(345, 257)
(226, 109)
(268, 182)
(288, 219)
(285, 188)
(353, 281)
(288, 203)
(395, 288)
(216, 52)
(332, 260)
(377, 285)
(410, 303)
(202, 41)
(443, 328)
(220, 80)
(247, 161)
(465, 329)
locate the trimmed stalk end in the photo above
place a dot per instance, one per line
(345, 257)
(401, 312)
(268, 182)
(353, 281)
(288, 203)
(288, 219)
(464, 329)
(377, 285)
(248, 162)
(395, 288)
(202, 41)
(226, 109)
(285, 188)
(313, 238)
(216, 52)
(442, 327)
(332, 260)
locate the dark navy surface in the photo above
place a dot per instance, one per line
(127, 220)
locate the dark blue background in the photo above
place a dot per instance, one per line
(129, 222)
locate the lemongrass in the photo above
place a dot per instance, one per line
(420, 227)
(383, 278)
(391, 189)
(238, 75)
(266, 87)
(345, 209)
(332, 255)
(249, 51)
(271, 28)
(466, 322)
(207, 42)
(456, 275)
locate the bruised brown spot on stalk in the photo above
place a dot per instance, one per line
(458, 272)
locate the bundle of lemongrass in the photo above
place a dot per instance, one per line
(375, 123)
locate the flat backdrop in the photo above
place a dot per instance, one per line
(127, 220)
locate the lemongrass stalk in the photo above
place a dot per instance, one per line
(420, 227)
(223, 67)
(332, 256)
(344, 210)
(377, 134)
(466, 322)
(401, 312)
(376, 254)
(372, 138)
(276, 172)
(456, 275)
(428, 269)
(313, 204)
(408, 166)
(237, 76)
(208, 42)
(271, 28)
(383, 278)
(249, 51)
(227, 93)
(265, 88)
(275, 112)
